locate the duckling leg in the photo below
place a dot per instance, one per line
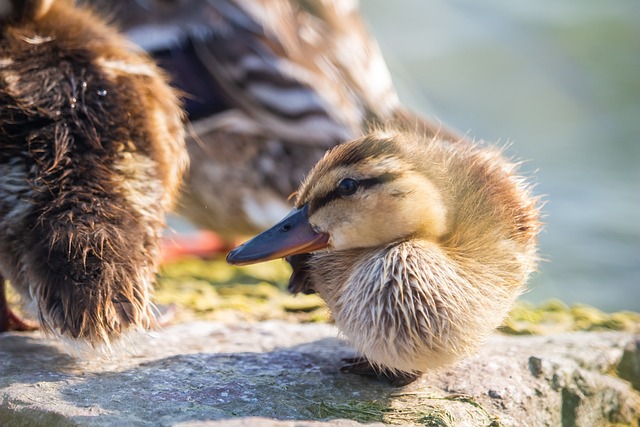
(9, 321)
(361, 366)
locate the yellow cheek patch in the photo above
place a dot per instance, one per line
(425, 208)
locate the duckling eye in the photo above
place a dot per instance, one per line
(347, 187)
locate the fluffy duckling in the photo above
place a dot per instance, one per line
(419, 247)
(271, 85)
(91, 155)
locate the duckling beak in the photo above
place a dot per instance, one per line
(293, 235)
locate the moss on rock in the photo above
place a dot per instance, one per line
(214, 290)
(554, 317)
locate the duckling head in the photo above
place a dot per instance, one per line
(364, 193)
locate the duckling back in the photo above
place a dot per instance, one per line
(91, 155)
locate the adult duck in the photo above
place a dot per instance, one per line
(270, 85)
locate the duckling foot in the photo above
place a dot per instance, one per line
(361, 366)
(9, 321)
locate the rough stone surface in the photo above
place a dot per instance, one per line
(286, 374)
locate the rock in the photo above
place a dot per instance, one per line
(287, 374)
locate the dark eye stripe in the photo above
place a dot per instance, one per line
(370, 182)
(321, 201)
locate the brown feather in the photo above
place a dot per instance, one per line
(91, 153)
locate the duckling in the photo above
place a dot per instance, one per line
(270, 85)
(419, 246)
(91, 156)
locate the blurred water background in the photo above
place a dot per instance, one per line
(560, 81)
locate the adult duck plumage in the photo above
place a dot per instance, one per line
(270, 85)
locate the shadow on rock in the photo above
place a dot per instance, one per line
(30, 358)
(299, 382)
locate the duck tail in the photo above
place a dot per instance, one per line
(93, 245)
(19, 11)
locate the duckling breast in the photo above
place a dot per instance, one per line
(411, 306)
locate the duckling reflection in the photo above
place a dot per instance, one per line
(91, 155)
(419, 247)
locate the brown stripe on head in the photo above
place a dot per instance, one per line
(375, 145)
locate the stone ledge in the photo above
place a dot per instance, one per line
(215, 374)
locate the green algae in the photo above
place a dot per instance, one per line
(26, 417)
(405, 409)
(214, 290)
(366, 411)
(436, 409)
(555, 317)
